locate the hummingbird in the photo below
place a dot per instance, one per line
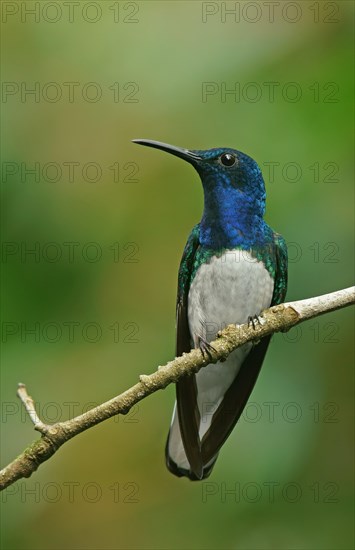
(233, 267)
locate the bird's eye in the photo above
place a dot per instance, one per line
(227, 159)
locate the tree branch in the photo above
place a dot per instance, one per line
(275, 319)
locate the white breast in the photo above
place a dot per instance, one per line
(228, 289)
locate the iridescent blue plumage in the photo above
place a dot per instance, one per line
(234, 200)
(234, 265)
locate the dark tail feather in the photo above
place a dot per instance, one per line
(202, 455)
(181, 472)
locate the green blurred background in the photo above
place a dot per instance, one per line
(102, 307)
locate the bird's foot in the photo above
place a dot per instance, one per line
(206, 348)
(254, 320)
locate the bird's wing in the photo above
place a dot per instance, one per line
(183, 336)
(280, 284)
(237, 395)
(186, 389)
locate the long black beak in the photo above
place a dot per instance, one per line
(189, 156)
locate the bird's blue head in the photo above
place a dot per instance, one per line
(234, 194)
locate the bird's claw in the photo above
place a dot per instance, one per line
(254, 320)
(206, 348)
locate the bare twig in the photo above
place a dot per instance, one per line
(30, 408)
(277, 318)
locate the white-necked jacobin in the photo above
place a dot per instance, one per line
(233, 266)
